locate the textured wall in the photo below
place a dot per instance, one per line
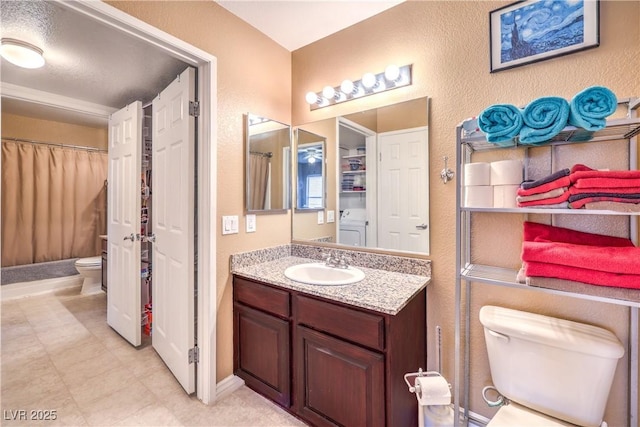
(254, 75)
(447, 43)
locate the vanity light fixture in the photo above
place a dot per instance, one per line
(391, 78)
(21, 53)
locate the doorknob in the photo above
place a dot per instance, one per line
(422, 226)
(132, 237)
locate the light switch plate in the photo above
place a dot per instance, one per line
(250, 223)
(320, 217)
(230, 224)
(331, 216)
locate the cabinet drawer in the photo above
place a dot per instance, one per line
(356, 326)
(263, 297)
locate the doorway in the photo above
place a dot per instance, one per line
(205, 177)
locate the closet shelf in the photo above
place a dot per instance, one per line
(616, 129)
(547, 211)
(506, 277)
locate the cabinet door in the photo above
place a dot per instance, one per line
(338, 383)
(261, 356)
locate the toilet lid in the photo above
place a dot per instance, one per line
(516, 415)
(89, 262)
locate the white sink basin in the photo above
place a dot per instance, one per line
(318, 273)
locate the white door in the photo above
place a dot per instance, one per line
(173, 182)
(123, 222)
(403, 199)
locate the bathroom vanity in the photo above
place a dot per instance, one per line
(332, 355)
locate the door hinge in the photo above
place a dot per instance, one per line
(194, 108)
(194, 355)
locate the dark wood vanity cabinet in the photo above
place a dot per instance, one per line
(329, 363)
(262, 339)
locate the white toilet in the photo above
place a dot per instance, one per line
(91, 270)
(554, 372)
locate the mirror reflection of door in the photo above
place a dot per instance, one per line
(310, 184)
(268, 164)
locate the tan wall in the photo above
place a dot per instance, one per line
(14, 126)
(254, 75)
(447, 43)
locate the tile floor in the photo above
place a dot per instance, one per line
(58, 354)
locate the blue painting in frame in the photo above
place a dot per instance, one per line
(534, 30)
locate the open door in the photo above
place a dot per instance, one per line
(173, 178)
(123, 222)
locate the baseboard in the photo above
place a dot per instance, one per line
(228, 386)
(26, 289)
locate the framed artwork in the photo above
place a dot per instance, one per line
(534, 30)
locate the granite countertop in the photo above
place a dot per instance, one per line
(381, 290)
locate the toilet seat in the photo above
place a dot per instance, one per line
(89, 262)
(517, 415)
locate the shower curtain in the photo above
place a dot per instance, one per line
(53, 202)
(260, 171)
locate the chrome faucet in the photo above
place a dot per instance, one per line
(336, 261)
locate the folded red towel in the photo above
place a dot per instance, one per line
(607, 183)
(534, 231)
(581, 171)
(565, 181)
(554, 200)
(621, 190)
(576, 274)
(611, 259)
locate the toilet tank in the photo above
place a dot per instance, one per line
(558, 367)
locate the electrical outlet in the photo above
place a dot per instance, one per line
(250, 223)
(320, 217)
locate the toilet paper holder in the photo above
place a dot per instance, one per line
(446, 174)
(431, 388)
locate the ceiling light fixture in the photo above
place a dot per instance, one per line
(21, 53)
(392, 77)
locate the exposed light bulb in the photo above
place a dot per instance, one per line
(347, 87)
(392, 72)
(328, 92)
(311, 159)
(311, 98)
(369, 80)
(21, 53)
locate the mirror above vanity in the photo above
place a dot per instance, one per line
(268, 165)
(376, 180)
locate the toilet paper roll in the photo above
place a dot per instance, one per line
(504, 196)
(478, 196)
(506, 172)
(477, 174)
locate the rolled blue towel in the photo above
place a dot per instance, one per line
(501, 123)
(543, 119)
(591, 107)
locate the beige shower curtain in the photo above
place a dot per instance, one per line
(259, 176)
(53, 202)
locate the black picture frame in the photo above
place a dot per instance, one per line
(530, 31)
